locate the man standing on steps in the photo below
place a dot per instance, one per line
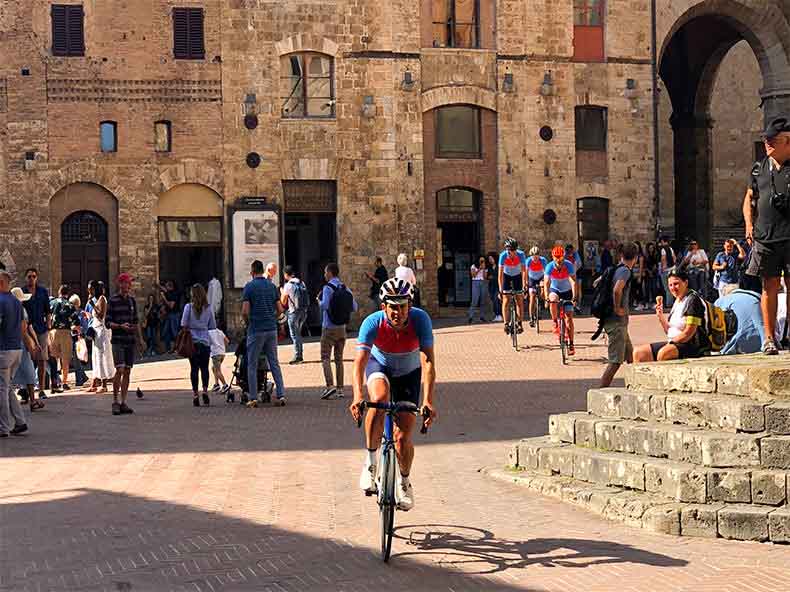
(769, 198)
(337, 303)
(616, 326)
(122, 320)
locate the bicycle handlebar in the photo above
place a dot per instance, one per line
(399, 407)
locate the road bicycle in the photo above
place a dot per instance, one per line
(535, 311)
(387, 465)
(512, 315)
(563, 324)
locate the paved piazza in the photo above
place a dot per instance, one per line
(229, 498)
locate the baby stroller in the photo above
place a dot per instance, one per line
(239, 377)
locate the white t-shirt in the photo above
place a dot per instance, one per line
(217, 339)
(677, 322)
(405, 273)
(290, 291)
(478, 274)
(698, 258)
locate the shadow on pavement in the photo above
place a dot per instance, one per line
(478, 552)
(90, 540)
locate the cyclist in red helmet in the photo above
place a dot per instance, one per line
(561, 285)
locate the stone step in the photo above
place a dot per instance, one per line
(708, 448)
(702, 410)
(671, 480)
(760, 377)
(652, 512)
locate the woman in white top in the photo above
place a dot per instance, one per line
(479, 288)
(101, 354)
(402, 272)
(696, 261)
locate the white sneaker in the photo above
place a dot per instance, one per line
(498, 319)
(404, 494)
(367, 479)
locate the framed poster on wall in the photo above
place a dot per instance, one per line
(255, 233)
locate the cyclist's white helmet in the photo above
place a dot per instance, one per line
(396, 291)
(534, 251)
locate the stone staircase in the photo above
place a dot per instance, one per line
(693, 448)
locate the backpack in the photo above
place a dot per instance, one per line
(720, 324)
(602, 306)
(341, 305)
(301, 299)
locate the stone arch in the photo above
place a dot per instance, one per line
(199, 173)
(306, 42)
(459, 95)
(189, 200)
(75, 197)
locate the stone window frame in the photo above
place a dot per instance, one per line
(589, 21)
(585, 143)
(68, 30)
(169, 129)
(304, 83)
(452, 23)
(588, 227)
(189, 36)
(113, 125)
(445, 154)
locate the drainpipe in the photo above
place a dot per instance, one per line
(654, 65)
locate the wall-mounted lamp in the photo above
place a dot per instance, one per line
(547, 86)
(507, 82)
(408, 81)
(368, 107)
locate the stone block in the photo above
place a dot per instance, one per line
(612, 469)
(556, 461)
(770, 382)
(744, 523)
(561, 427)
(720, 449)
(662, 519)
(512, 456)
(582, 466)
(658, 407)
(647, 439)
(775, 452)
(733, 380)
(777, 418)
(615, 403)
(732, 486)
(769, 487)
(779, 525)
(676, 481)
(611, 435)
(584, 429)
(687, 377)
(684, 445)
(642, 377)
(642, 404)
(593, 498)
(700, 520)
(628, 507)
(736, 414)
(528, 449)
(687, 409)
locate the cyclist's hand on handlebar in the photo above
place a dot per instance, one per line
(356, 410)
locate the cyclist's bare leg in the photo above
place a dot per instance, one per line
(505, 310)
(378, 392)
(404, 428)
(532, 298)
(553, 299)
(569, 323)
(520, 307)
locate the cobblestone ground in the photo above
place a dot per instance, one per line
(228, 498)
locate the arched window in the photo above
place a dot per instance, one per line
(307, 86)
(588, 35)
(458, 132)
(108, 134)
(84, 227)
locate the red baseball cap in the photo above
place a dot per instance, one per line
(124, 277)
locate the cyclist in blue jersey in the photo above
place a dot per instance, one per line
(536, 267)
(561, 285)
(512, 278)
(394, 354)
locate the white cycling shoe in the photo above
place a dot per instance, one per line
(404, 494)
(367, 479)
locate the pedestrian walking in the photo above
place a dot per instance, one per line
(260, 308)
(767, 199)
(296, 302)
(123, 321)
(377, 278)
(13, 330)
(65, 320)
(479, 275)
(219, 344)
(616, 325)
(25, 375)
(39, 314)
(102, 363)
(337, 303)
(198, 318)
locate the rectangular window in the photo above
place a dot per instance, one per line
(306, 85)
(456, 23)
(588, 29)
(162, 136)
(68, 30)
(592, 215)
(196, 230)
(188, 34)
(591, 128)
(458, 132)
(108, 133)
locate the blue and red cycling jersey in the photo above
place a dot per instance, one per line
(512, 264)
(560, 276)
(398, 351)
(536, 267)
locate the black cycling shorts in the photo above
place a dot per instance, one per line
(512, 283)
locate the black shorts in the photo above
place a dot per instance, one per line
(567, 296)
(402, 388)
(123, 354)
(685, 350)
(770, 259)
(534, 285)
(512, 283)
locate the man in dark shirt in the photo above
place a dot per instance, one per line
(12, 329)
(377, 278)
(39, 314)
(122, 320)
(767, 198)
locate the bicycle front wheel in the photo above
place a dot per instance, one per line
(514, 328)
(387, 500)
(563, 342)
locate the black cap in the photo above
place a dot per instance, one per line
(776, 126)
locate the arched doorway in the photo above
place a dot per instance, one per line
(458, 222)
(84, 251)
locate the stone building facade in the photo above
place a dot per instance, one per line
(431, 127)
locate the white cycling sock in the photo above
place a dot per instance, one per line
(371, 457)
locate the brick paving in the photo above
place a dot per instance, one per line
(228, 498)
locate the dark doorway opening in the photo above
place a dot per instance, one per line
(459, 229)
(84, 252)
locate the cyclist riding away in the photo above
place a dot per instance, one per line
(561, 285)
(512, 278)
(536, 267)
(394, 353)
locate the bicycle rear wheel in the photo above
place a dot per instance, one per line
(537, 314)
(387, 500)
(563, 342)
(514, 327)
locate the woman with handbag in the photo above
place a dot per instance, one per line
(198, 320)
(101, 353)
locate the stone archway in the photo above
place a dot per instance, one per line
(691, 56)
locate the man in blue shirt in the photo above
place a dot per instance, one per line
(726, 267)
(260, 308)
(12, 329)
(38, 313)
(333, 332)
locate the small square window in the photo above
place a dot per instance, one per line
(162, 136)
(108, 136)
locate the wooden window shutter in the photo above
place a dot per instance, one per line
(60, 45)
(76, 30)
(180, 33)
(196, 47)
